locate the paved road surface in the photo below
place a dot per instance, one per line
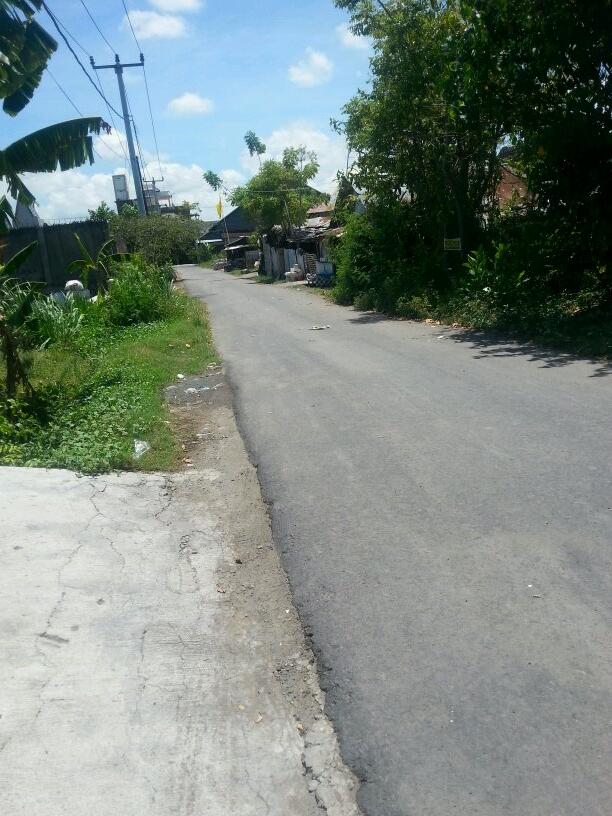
(443, 505)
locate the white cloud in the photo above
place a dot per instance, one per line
(351, 40)
(71, 193)
(111, 147)
(314, 69)
(330, 150)
(186, 183)
(173, 6)
(150, 24)
(232, 178)
(189, 104)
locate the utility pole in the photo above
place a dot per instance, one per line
(118, 67)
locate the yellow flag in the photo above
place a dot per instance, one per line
(220, 208)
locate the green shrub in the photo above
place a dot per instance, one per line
(417, 307)
(139, 293)
(365, 302)
(157, 238)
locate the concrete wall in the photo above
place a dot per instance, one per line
(57, 248)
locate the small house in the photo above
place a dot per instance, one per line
(235, 225)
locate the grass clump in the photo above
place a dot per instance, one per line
(100, 388)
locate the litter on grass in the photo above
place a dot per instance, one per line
(140, 448)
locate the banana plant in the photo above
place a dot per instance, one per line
(25, 50)
(16, 299)
(6, 215)
(101, 265)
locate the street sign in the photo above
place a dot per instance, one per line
(452, 244)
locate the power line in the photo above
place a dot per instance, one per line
(72, 37)
(100, 32)
(65, 93)
(144, 71)
(80, 112)
(127, 14)
(74, 54)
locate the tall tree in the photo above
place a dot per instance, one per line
(454, 80)
(280, 194)
(254, 145)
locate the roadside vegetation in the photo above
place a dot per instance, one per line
(156, 238)
(94, 372)
(280, 194)
(463, 91)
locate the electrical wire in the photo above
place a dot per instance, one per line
(127, 16)
(100, 32)
(144, 71)
(58, 26)
(80, 112)
(161, 172)
(72, 37)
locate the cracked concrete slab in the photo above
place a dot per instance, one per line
(151, 661)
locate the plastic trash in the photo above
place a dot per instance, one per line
(140, 448)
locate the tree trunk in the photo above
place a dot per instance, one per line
(15, 372)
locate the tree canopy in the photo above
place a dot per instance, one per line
(254, 145)
(454, 81)
(280, 194)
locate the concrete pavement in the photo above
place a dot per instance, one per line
(443, 504)
(151, 662)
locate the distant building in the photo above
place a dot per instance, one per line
(235, 225)
(156, 200)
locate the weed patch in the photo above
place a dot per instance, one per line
(95, 394)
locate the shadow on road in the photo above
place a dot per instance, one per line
(364, 318)
(496, 344)
(491, 344)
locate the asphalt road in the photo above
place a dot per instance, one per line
(443, 503)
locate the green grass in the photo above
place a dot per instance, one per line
(97, 395)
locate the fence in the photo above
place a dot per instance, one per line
(57, 248)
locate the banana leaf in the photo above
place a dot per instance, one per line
(19, 258)
(25, 50)
(67, 145)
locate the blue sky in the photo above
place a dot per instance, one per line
(215, 70)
